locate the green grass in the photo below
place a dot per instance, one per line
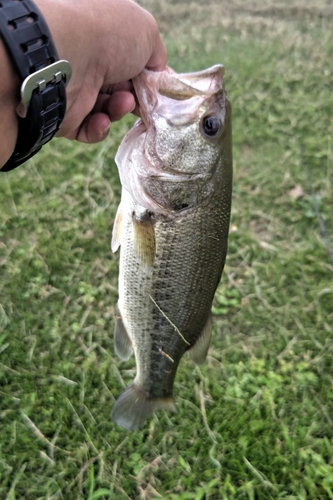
(254, 422)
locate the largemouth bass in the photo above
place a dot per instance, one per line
(175, 167)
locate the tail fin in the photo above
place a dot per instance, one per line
(134, 406)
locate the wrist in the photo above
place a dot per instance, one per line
(73, 26)
(43, 77)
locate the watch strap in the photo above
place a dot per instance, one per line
(29, 43)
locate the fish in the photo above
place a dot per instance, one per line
(172, 224)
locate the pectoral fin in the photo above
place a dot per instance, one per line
(198, 352)
(122, 342)
(117, 230)
(144, 238)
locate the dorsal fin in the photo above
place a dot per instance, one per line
(198, 351)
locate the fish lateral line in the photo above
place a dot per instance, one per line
(169, 320)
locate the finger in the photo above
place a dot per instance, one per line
(94, 128)
(136, 111)
(115, 106)
(115, 87)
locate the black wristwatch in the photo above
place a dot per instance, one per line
(44, 78)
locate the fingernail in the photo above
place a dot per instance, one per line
(133, 107)
(106, 131)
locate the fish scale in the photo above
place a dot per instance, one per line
(171, 258)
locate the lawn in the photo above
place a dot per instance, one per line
(254, 422)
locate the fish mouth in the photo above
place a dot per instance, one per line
(153, 87)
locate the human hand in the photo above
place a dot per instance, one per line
(107, 43)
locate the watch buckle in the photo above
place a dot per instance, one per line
(60, 70)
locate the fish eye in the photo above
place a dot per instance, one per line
(211, 125)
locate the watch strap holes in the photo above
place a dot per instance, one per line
(33, 44)
(31, 18)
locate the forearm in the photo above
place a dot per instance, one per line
(9, 99)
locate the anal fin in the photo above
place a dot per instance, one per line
(122, 342)
(198, 352)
